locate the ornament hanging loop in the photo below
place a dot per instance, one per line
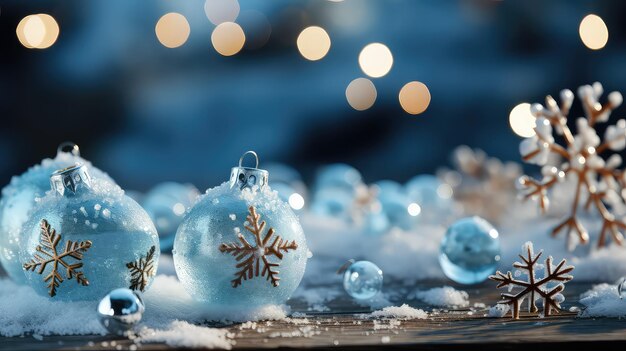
(247, 177)
(69, 147)
(249, 152)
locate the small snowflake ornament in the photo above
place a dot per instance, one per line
(547, 288)
(599, 182)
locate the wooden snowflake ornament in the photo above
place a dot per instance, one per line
(49, 254)
(548, 288)
(250, 256)
(599, 182)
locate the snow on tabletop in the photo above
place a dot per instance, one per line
(403, 312)
(445, 296)
(183, 334)
(603, 300)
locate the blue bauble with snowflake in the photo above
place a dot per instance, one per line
(470, 251)
(166, 204)
(362, 280)
(241, 246)
(86, 238)
(18, 200)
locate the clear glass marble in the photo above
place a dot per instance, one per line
(470, 251)
(363, 280)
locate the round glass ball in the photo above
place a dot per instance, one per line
(18, 200)
(470, 250)
(363, 280)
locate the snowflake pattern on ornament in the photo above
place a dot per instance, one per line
(600, 183)
(548, 288)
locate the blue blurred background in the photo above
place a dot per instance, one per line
(146, 113)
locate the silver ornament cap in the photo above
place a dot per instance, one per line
(120, 311)
(246, 177)
(69, 180)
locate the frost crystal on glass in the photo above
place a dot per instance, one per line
(599, 182)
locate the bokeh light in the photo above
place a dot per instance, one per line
(228, 38)
(296, 201)
(414, 209)
(522, 120)
(376, 60)
(361, 94)
(220, 11)
(313, 43)
(38, 31)
(172, 30)
(593, 32)
(414, 97)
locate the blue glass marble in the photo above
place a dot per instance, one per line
(119, 230)
(470, 251)
(167, 204)
(209, 272)
(433, 196)
(395, 202)
(363, 280)
(18, 200)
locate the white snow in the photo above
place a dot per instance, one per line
(405, 312)
(445, 296)
(183, 334)
(603, 300)
(498, 310)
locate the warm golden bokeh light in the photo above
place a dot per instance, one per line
(376, 60)
(414, 97)
(593, 32)
(220, 11)
(172, 30)
(361, 94)
(37, 31)
(228, 38)
(522, 120)
(313, 43)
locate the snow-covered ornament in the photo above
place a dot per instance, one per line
(362, 280)
(85, 238)
(120, 310)
(599, 182)
(547, 288)
(18, 200)
(166, 204)
(470, 250)
(241, 246)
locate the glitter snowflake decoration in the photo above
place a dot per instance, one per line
(598, 181)
(249, 257)
(142, 270)
(49, 254)
(548, 288)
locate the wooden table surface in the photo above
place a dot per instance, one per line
(343, 326)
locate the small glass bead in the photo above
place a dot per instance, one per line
(363, 280)
(470, 251)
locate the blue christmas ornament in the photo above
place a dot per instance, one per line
(335, 189)
(86, 238)
(395, 204)
(470, 251)
(433, 197)
(166, 204)
(241, 246)
(362, 280)
(18, 199)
